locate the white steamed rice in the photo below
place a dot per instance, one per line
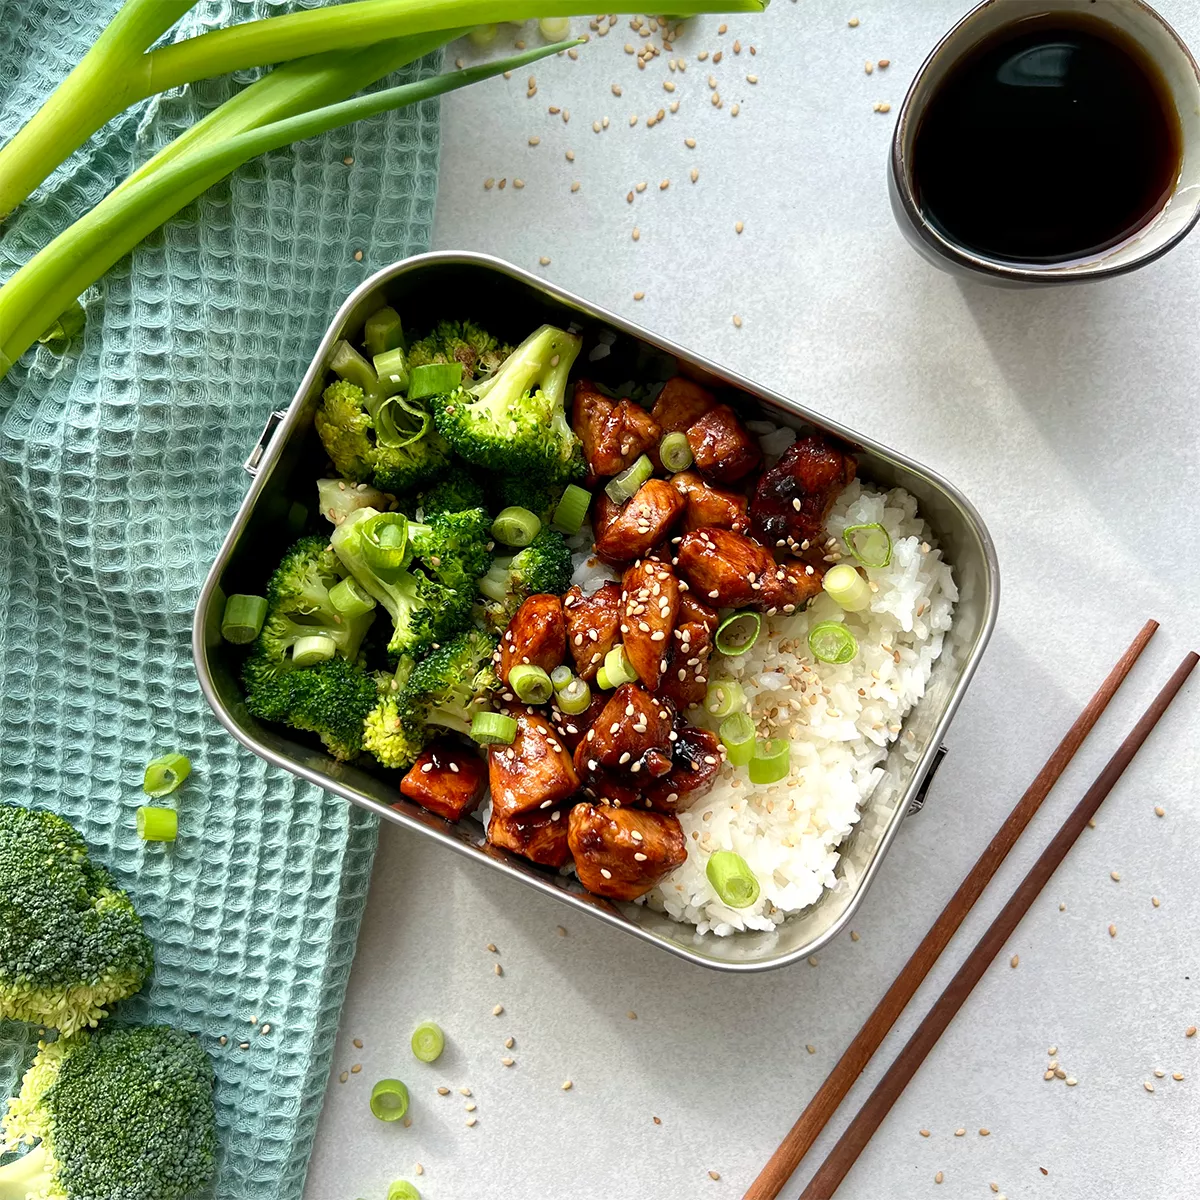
(839, 720)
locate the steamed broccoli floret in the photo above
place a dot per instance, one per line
(543, 566)
(384, 732)
(454, 546)
(458, 491)
(536, 495)
(332, 697)
(445, 685)
(423, 610)
(71, 944)
(514, 421)
(388, 442)
(462, 342)
(125, 1112)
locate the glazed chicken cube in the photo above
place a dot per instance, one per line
(707, 506)
(651, 605)
(723, 568)
(685, 680)
(629, 531)
(599, 783)
(694, 771)
(572, 727)
(724, 449)
(535, 772)
(697, 612)
(632, 725)
(540, 837)
(789, 586)
(614, 433)
(593, 626)
(793, 498)
(680, 404)
(536, 635)
(621, 853)
(448, 779)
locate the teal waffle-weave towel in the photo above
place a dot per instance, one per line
(120, 470)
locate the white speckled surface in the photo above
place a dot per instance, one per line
(1072, 419)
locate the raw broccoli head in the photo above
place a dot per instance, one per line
(536, 495)
(454, 546)
(459, 490)
(71, 944)
(445, 686)
(390, 442)
(423, 610)
(462, 342)
(515, 421)
(124, 1113)
(330, 699)
(543, 566)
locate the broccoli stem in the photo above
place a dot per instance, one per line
(32, 299)
(28, 1175)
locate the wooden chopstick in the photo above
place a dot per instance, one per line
(772, 1178)
(842, 1157)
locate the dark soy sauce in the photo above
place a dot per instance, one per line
(1053, 140)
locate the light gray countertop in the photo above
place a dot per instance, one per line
(1072, 419)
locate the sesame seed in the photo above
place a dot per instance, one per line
(694, 174)
(853, 22)
(656, 1120)
(606, 872)
(1190, 1031)
(418, 1169)
(751, 78)
(1115, 876)
(1159, 811)
(535, 141)
(222, 1040)
(616, 89)
(499, 970)
(443, 1091)
(631, 1015)
(497, 1010)
(566, 1085)
(854, 937)
(666, 183)
(633, 119)
(1112, 931)
(722, 28)
(1177, 1076)
(358, 256)
(637, 233)
(738, 227)
(508, 1062)
(938, 1177)
(639, 295)
(923, 1132)
(575, 186)
(883, 108)
(812, 1050)
(1049, 1074)
(714, 1175)
(884, 63)
(984, 1132)
(1148, 1086)
(737, 108)
(1071, 1081)
(960, 1133)
(1015, 961)
(470, 1122)
(868, 66)
(464, 1091)
(354, 1070)
(595, 126)
(737, 321)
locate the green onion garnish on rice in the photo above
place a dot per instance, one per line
(832, 642)
(738, 632)
(870, 544)
(771, 761)
(737, 736)
(847, 588)
(724, 696)
(732, 879)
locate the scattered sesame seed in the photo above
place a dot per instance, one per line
(1148, 1086)
(1159, 811)
(358, 256)
(868, 66)
(470, 1122)
(1155, 901)
(443, 1091)
(508, 1062)
(354, 1070)
(690, 143)
(656, 1120)
(854, 936)
(631, 1015)
(811, 1048)
(567, 1085)
(464, 1091)
(733, 112)
(222, 1040)
(1049, 1074)
(1112, 931)
(518, 183)
(343, 1076)
(714, 1175)
(960, 1132)
(1091, 822)
(545, 263)
(738, 227)
(265, 1029)
(497, 1010)
(1052, 1051)
(498, 969)
(639, 295)
(1115, 876)
(751, 78)
(575, 186)
(639, 187)
(737, 321)
(693, 174)
(348, 160)
(508, 1043)
(984, 1132)
(418, 1169)
(666, 183)
(938, 1177)
(884, 63)
(1062, 907)
(1190, 1031)
(1071, 1081)
(1015, 961)
(637, 233)
(853, 22)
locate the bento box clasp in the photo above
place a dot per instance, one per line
(918, 801)
(264, 440)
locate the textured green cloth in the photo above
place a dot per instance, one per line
(120, 470)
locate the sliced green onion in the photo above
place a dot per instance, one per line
(400, 422)
(732, 879)
(771, 761)
(157, 824)
(555, 29)
(603, 682)
(737, 633)
(531, 684)
(572, 508)
(516, 526)
(428, 1042)
(847, 588)
(434, 379)
(385, 544)
(832, 642)
(389, 1100)
(493, 729)
(165, 773)
(575, 697)
(624, 486)
(675, 452)
(243, 618)
(737, 736)
(561, 676)
(483, 35)
(403, 1190)
(308, 651)
(383, 331)
(392, 370)
(346, 363)
(724, 696)
(618, 668)
(870, 544)
(351, 599)
(58, 337)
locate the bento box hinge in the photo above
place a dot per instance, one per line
(918, 801)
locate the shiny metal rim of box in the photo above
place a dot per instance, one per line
(437, 282)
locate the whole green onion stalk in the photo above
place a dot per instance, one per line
(56, 276)
(120, 70)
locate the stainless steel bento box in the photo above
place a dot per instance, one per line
(288, 459)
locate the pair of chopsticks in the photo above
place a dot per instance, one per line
(833, 1091)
